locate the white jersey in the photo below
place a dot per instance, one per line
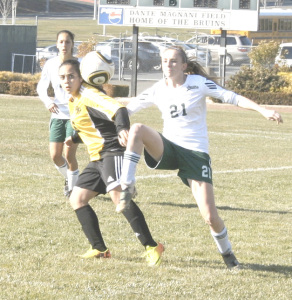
(184, 109)
(50, 75)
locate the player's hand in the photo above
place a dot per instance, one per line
(53, 108)
(123, 137)
(68, 142)
(272, 115)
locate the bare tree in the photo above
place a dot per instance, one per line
(14, 6)
(5, 9)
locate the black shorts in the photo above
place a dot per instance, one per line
(102, 175)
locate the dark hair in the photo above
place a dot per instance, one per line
(193, 67)
(71, 35)
(73, 63)
(76, 66)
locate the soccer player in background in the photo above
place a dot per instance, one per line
(102, 124)
(183, 145)
(60, 126)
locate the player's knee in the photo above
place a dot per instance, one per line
(73, 201)
(57, 158)
(76, 201)
(210, 219)
(136, 128)
(139, 131)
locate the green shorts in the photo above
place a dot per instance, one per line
(60, 129)
(191, 164)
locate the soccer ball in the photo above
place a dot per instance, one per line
(96, 69)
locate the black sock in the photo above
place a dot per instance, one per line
(89, 222)
(137, 221)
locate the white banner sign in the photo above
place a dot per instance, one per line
(177, 18)
(180, 18)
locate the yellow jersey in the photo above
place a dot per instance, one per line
(92, 116)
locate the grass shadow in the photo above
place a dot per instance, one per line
(286, 270)
(224, 208)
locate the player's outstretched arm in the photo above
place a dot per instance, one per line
(269, 114)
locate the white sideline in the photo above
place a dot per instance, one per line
(222, 172)
(174, 174)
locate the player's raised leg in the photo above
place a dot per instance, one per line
(140, 136)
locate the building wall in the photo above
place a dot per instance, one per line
(276, 2)
(19, 39)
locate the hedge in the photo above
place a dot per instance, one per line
(29, 89)
(266, 98)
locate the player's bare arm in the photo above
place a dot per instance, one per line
(269, 114)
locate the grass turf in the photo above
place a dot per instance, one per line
(41, 238)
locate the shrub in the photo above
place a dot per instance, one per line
(288, 77)
(6, 76)
(4, 87)
(264, 54)
(86, 47)
(23, 88)
(25, 84)
(257, 79)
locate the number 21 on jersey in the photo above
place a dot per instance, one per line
(174, 110)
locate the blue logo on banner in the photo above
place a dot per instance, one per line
(110, 16)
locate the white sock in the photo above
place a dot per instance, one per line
(72, 178)
(63, 170)
(130, 162)
(222, 241)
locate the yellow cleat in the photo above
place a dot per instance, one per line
(94, 253)
(153, 255)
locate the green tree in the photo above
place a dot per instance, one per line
(257, 79)
(264, 54)
(262, 75)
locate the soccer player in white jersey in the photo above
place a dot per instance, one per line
(60, 126)
(183, 144)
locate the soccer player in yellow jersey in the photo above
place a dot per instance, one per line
(102, 124)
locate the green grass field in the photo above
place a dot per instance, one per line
(41, 237)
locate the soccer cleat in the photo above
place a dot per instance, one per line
(66, 188)
(153, 255)
(68, 194)
(126, 196)
(230, 260)
(94, 253)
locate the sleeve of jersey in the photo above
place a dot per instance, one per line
(42, 87)
(216, 91)
(144, 100)
(122, 121)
